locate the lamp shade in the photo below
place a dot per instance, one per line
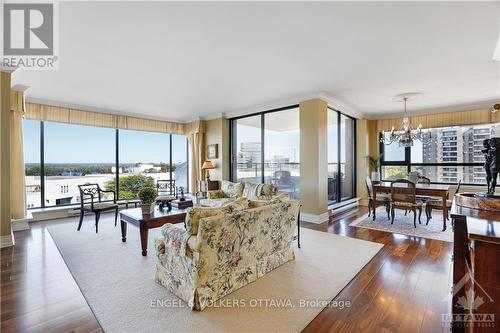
(207, 165)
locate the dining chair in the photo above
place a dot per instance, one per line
(403, 197)
(438, 205)
(380, 200)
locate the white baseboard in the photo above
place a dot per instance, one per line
(312, 218)
(22, 224)
(7, 240)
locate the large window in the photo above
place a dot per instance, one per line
(266, 149)
(341, 156)
(59, 157)
(453, 154)
(75, 155)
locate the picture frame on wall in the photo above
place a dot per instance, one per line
(212, 151)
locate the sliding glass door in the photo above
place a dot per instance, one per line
(341, 140)
(248, 149)
(282, 151)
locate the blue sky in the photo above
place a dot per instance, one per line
(84, 144)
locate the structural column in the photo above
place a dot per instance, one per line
(6, 237)
(314, 160)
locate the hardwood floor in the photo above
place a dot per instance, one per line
(405, 288)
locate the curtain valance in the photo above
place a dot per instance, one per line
(470, 117)
(59, 114)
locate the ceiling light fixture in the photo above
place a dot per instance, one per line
(406, 134)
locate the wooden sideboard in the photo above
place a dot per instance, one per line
(476, 270)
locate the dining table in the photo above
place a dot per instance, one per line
(424, 189)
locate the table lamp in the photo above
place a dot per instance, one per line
(207, 165)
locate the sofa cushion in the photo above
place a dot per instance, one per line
(217, 194)
(216, 202)
(232, 190)
(282, 197)
(194, 214)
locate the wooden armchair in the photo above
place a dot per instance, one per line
(381, 200)
(403, 197)
(166, 192)
(91, 201)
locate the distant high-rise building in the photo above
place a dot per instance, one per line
(250, 153)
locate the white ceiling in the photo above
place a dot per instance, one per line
(181, 61)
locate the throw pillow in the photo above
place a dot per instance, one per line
(252, 191)
(232, 189)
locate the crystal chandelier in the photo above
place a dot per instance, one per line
(406, 134)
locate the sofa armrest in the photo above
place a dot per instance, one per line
(173, 241)
(217, 194)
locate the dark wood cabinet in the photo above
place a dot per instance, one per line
(476, 270)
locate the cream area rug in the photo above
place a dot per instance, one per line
(118, 283)
(403, 225)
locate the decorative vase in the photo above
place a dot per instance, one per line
(375, 176)
(147, 209)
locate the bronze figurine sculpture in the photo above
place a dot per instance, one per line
(491, 153)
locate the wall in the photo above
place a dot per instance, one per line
(367, 144)
(217, 132)
(5, 225)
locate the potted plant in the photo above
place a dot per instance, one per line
(374, 165)
(147, 196)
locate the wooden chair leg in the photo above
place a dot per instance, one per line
(81, 220)
(369, 207)
(406, 212)
(415, 218)
(428, 212)
(97, 216)
(116, 216)
(392, 215)
(419, 215)
(388, 210)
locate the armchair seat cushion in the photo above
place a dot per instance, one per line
(407, 204)
(101, 206)
(217, 194)
(165, 197)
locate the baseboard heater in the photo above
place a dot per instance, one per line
(343, 206)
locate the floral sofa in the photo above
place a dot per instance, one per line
(230, 191)
(223, 249)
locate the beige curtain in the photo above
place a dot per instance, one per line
(196, 138)
(17, 182)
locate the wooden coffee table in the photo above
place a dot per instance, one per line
(145, 222)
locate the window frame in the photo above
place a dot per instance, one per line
(116, 164)
(407, 162)
(232, 139)
(233, 148)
